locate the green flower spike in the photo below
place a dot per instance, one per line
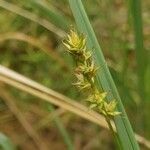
(87, 70)
(97, 99)
(110, 108)
(81, 83)
(75, 43)
(85, 73)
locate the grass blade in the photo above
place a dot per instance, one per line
(52, 13)
(33, 17)
(34, 42)
(139, 46)
(62, 129)
(122, 123)
(5, 143)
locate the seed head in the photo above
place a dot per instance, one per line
(85, 73)
(76, 43)
(110, 107)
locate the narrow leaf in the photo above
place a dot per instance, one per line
(122, 123)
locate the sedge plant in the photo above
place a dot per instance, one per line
(125, 133)
(85, 73)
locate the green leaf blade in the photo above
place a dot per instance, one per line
(105, 80)
(5, 143)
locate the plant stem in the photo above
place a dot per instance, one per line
(116, 139)
(139, 46)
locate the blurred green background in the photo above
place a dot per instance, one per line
(31, 37)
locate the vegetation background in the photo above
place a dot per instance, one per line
(31, 37)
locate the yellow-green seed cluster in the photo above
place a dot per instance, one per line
(85, 73)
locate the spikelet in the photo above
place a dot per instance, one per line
(85, 73)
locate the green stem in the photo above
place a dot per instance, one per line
(116, 139)
(62, 130)
(139, 46)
